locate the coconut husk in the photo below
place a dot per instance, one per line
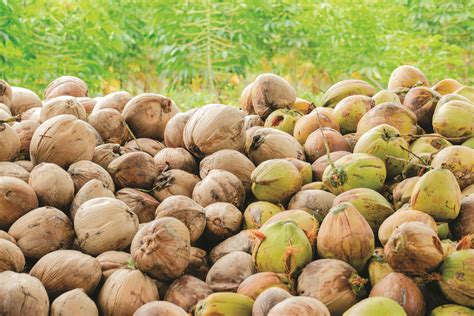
(161, 248)
(243, 241)
(10, 169)
(229, 271)
(160, 308)
(140, 203)
(83, 171)
(62, 105)
(92, 189)
(64, 270)
(21, 294)
(103, 224)
(16, 199)
(297, 305)
(219, 186)
(174, 182)
(66, 85)
(133, 170)
(32, 114)
(222, 220)
(23, 99)
(10, 144)
(320, 164)
(198, 263)
(267, 299)
(74, 302)
(42, 231)
(315, 147)
(87, 103)
(316, 202)
(175, 158)
(173, 134)
(187, 291)
(111, 261)
(115, 100)
(25, 130)
(12, 257)
(147, 145)
(53, 186)
(110, 125)
(270, 92)
(5, 93)
(104, 154)
(62, 140)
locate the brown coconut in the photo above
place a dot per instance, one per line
(219, 186)
(62, 105)
(161, 248)
(267, 299)
(316, 202)
(309, 123)
(403, 190)
(242, 241)
(10, 144)
(53, 186)
(296, 305)
(112, 260)
(406, 76)
(110, 125)
(74, 302)
(25, 164)
(147, 114)
(104, 154)
(5, 93)
(133, 170)
(115, 100)
(16, 199)
(103, 224)
(125, 291)
(422, 102)
(255, 284)
(83, 171)
(173, 134)
(10, 169)
(92, 189)
(25, 130)
(198, 263)
(270, 92)
(64, 270)
(229, 271)
(87, 103)
(187, 211)
(352, 139)
(42, 231)
(21, 294)
(147, 145)
(229, 160)
(187, 291)
(62, 140)
(66, 85)
(175, 158)
(140, 203)
(320, 164)
(222, 220)
(174, 182)
(315, 148)
(251, 121)
(23, 99)
(227, 130)
(463, 225)
(32, 114)
(6, 236)
(12, 258)
(246, 100)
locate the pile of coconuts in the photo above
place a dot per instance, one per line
(362, 204)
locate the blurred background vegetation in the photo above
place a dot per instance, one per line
(206, 51)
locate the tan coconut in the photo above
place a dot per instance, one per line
(316, 202)
(161, 248)
(222, 220)
(103, 224)
(160, 308)
(32, 114)
(5, 109)
(6, 236)
(23, 99)
(5, 93)
(147, 145)
(90, 190)
(406, 76)
(320, 164)
(83, 171)
(198, 263)
(140, 203)
(42, 231)
(10, 144)
(64, 270)
(307, 124)
(16, 199)
(115, 100)
(315, 147)
(62, 140)
(12, 258)
(104, 154)
(53, 186)
(21, 294)
(66, 85)
(87, 103)
(246, 100)
(267, 299)
(111, 261)
(174, 182)
(297, 305)
(173, 134)
(251, 121)
(270, 92)
(25, 164)
(175, 158)
(10, 169)
(25, 130)
(74, 302)
(187, 291)
(133, 170)
(62, 105)
(242, 241)
(229, 271)
(110, 125)
(255, 284)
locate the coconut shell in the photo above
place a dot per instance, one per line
(64, 270)
(62, 105)
(104, 154)
(173, 134)
(10, 144)
(251, 121)
(187, 291)
(219, 186)
(198, 263)
(103, 224)
(21, 294)
(140, 203)
(5, 93)
(316, 202)
(133, 170)
(83, 171)
(161, 248)
(175, 158)
(267, 299)
(295, 306)
(125, 291)
(66, 85)
(463, 225)
(115, 100)
(74, 302)
(25, 130)
(110, 125)
(147, 145)
(270, 92)
(92, 189)
(222, 220)
(174, 182)
(87, 103)
(229, 271)
(309, 123)
(62, 140)
(10, 169)
(23, 99)
(53, 186)
(320, 164)
(42, 231)
(243, 241)
(12, 256)
(16, 199)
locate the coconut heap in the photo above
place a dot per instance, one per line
(362, 204)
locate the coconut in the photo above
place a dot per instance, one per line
(140, 203)
(111, 261)
(187, 211)
(62, 140)
(455, 120)
(267, 299)
(318, 185)
(242, 241)
(229, 304)
(257, 213)
(283, 120)
(451, 309)
(175, 158)
(255, 284)
(413, 248)
(376, 306)
(6, 236)
(229, 271)
(110, 125)
(231, 161)
(463, 224)
(422, 102)
(468, 190)
(403, 290)
(219, 186)
(294, 306)
(147, 145)
(32, 114)
(74, 302)
(198, 263)
(386, 96)
(430, 144)
(346, 235)
(25, 130)
(270, 143)
(315, 146)
(64, 270)
(304, 168)
(457, 273)
(10, 169)
(174, 182)
(346, 88)
(270, 92)
(459, 160)
(350, 110)
(333, 282)
(160, 308)
(12, 257)
(222, 220)
(371, 204)
(106, 153)
(66, 85)
(103, 224)
(275, 181)
(246, 100)
(282, 247)
(320, 164)
(62, 105)
(201, 140)
(125, 291)
(83, 171)
(404, 216)
(403, 191)
(378, 267)
(406, 77)
(469, 143)
(309, 123)
(25, 164)
(450, 97)
(22, 294)
(161, 248)
(173, 134)
(5, 93)
(351, 140)
(16, 199)
(92, 189)
(115, 100)
(187, 291)
(315, 202)
(87, 103)
(53, 186)
(42, 231)
(133, 170)
(22, 100)
(251, 121)
(446, 86)
(437, 193)
(10, 144)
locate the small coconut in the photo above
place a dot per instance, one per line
(74, 302)
(83, 171)
(222, 220)
(66, 85)
(296, 305)
(25, 130)
(309, 123)
(160, 308)
(53, 186)
(87, 103)
(283, 119)
(378, 267)
(350, 110)
(304, 168)
(21, 294)
(5, 93)
(187, 211)
(12, 257)
(103, 224)
(140, 203)
(115, 100)
(161, 248)
(198, 263)
(62, 105)
(147, 145)
(255, 284)
(10, 169)
(257, 213)
(64, 270)
(173, 134)
(251, 121)
(112, 260)
(92, 189)
(174, 182)
(110, 125)
(23, 99)
(125, 291)
(267, 299)
(10, 144)
(459, 160)
(242, 241)
(320, 164)
(175, 158)
(317, 185)
(316, 202)
(16, 199)
(133, 170)
(187, 291)
(104, 154)
(270, 92)
(246, 100)
(463, 225)
(229, 271)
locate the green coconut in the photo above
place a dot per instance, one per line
(283, 119)
(469, 143)
(378, 267)
(455, 119)
(376, 306)
(225, 303)
(429, 144)
(304, 169)
(350, 110)
(257, 213)
(459, 160)
(452, 310)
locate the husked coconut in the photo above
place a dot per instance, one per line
(187, 291)
(112, 260)
(92, 189)
(10, 169)
(174, 182)
(267, 299)
(175, 158)
(110, 125)
(147, 145)
(12, 259)
(25, 130)
(74, 302)
(16, 199)
(23, 99)
(115, 100)
(62, 105)
(66, 85)
(83, 171)
(140, 203)
(133, 170)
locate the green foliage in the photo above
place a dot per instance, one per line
(206, 51)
